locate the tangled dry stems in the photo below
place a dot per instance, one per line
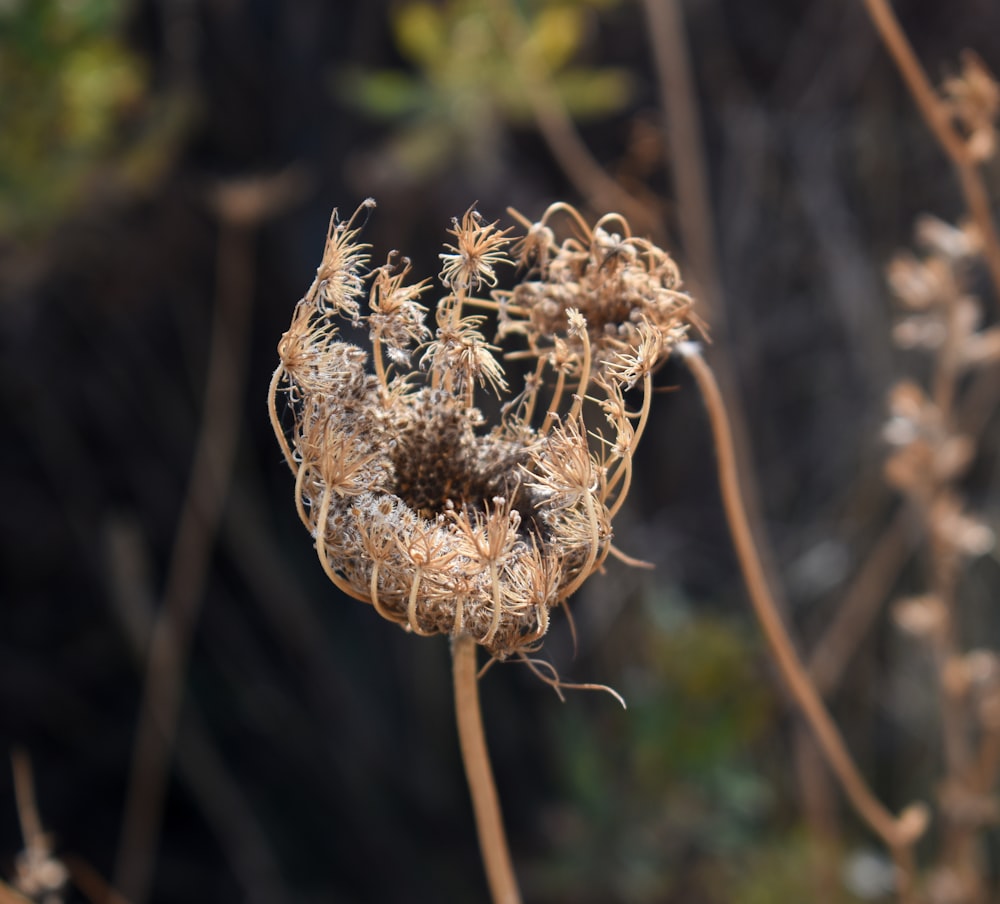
(444, 523)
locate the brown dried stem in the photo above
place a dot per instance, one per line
(861, 603)
(485, 803)
(899, 834)
(239, 206)
(938, 121)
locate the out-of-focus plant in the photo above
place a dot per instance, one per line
(645, 792)
(73, 98)
(473, 63)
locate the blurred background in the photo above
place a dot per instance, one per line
(167, 171)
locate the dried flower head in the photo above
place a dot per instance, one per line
(445, 524)
(973, 98)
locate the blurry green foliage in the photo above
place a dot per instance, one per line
(68, 82)
(679, 771)
(474, 66)
(784, 868)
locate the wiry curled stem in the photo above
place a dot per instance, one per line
(898, 833)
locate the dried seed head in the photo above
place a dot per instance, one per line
(443, 524)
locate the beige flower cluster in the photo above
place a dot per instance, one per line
(442, 522)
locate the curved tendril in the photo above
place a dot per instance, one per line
(272, 410)
(614, 218)
(300, 475)
(411, 606)
(373, 590)
(588, 567)
(571, 211)
(539, 667)
(552, 414)
(342, 585)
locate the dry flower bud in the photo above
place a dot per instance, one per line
(945, 239)
(918, 284)
(953, 456)
(959, 531)
(910, 468)
(973, 98)
(925, 331)
(983, 667)
(921, 616)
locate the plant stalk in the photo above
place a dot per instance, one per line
(899, 834)
(475, 757)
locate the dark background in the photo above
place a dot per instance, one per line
(321, 760)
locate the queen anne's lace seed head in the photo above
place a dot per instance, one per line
(445, 524)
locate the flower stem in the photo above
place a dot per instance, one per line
(899, 834)
(485, 803)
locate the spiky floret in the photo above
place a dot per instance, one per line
(443, 524)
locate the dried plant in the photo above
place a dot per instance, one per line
(444, 523)
(932, 433)
(930, 454)
(39, 875)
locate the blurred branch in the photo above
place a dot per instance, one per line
(860, 604)
(938, 121)
(686, 161)
(222, 801)
(556, 126)
(898, 833)
(240, 207)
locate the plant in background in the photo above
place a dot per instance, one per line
(446, 524)
(75, 111)
(471, 77)
(67, 82)
(931, 452)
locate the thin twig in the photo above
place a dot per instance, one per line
(938, 121)
(861, 602)
(240, 206)
(558, 131)
(686, 162)
(899, 834)
(27, 807)
(200, 765)
(485, 803)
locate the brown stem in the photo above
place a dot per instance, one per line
(899, 835)
(197, 526)
(861, 602)
(938, 121)
(240, 205)
(686, 158)
(485, 803)
(27, 807)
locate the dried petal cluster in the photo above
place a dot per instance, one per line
(444, 523)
